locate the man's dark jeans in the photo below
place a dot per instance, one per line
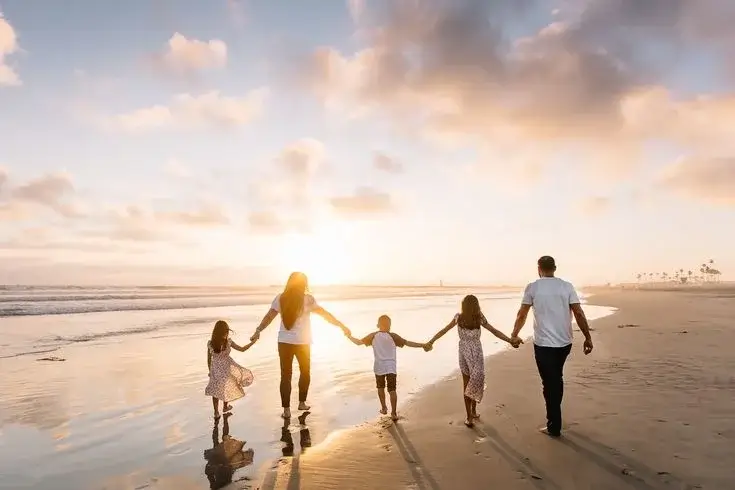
(550, 362)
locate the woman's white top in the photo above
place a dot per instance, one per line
(300, 332)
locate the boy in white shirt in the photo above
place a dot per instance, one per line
(384, 343)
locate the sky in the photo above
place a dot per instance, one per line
(364, 142)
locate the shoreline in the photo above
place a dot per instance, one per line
(431, 449)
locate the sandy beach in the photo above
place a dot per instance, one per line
(651, 408)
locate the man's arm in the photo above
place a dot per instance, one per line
(583, 325)
(522, 314)
(521, 317)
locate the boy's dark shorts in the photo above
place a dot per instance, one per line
(380, 381)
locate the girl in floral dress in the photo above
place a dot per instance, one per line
(226, 377)
(471, 358)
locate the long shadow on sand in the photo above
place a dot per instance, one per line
(423, 479)
(632, 472)
(517, 460)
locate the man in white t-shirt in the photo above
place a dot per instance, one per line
(554, 301)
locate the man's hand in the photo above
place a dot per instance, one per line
(347, 332)
(516, 341)
(428, 346)
(587, 348)
(255, 337)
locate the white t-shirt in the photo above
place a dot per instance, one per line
(551, 299)
(300, 332)
(384, 349)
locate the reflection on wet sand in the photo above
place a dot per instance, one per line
(287, 437)
(226, 456)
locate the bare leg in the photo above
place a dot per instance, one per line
(226, 407)
(215, 404)
(475, 415)
(393, 405)
(467, 401)
(381, 397)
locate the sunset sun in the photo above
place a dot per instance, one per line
(322, 256)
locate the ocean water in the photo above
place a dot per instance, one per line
(126, 409)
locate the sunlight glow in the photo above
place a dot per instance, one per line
(321, 255)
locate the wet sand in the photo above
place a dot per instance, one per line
(653, 407)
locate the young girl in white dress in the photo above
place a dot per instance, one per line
(226, 377)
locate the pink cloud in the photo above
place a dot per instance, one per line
(8, 46)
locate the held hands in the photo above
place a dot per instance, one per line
(428, 346)
(587, 347)
(255, 337)
(515, 341)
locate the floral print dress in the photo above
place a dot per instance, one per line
(471, 360)
(227, 379)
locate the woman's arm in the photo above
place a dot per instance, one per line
(242, 348)
(267, 319)
(443, 331)
(331, 319)
(209, 359)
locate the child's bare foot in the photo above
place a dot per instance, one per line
(394, 417)
(476, 416)
(384, 410)
(227, 407)
(286, 413)
(469, 423)
(304, 406)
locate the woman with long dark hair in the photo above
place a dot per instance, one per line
(295, 305)
(471, 358)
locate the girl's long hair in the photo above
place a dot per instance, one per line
(292, 299)
(471, 316)
(220, 332)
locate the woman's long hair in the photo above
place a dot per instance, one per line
(220, 333)
(292, 299)
(471, 316)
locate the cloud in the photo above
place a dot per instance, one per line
(184, 55)
(267, 222)
(174, 168)
(364, 202)
(143, 224)
(594, 206)
(205, 215)
(385, 163)
(8, 46)
(455, 70)
(706, 179)
(52, 191)
(284, 197)
(186, 111)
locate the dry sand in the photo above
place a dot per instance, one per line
(653, 407)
